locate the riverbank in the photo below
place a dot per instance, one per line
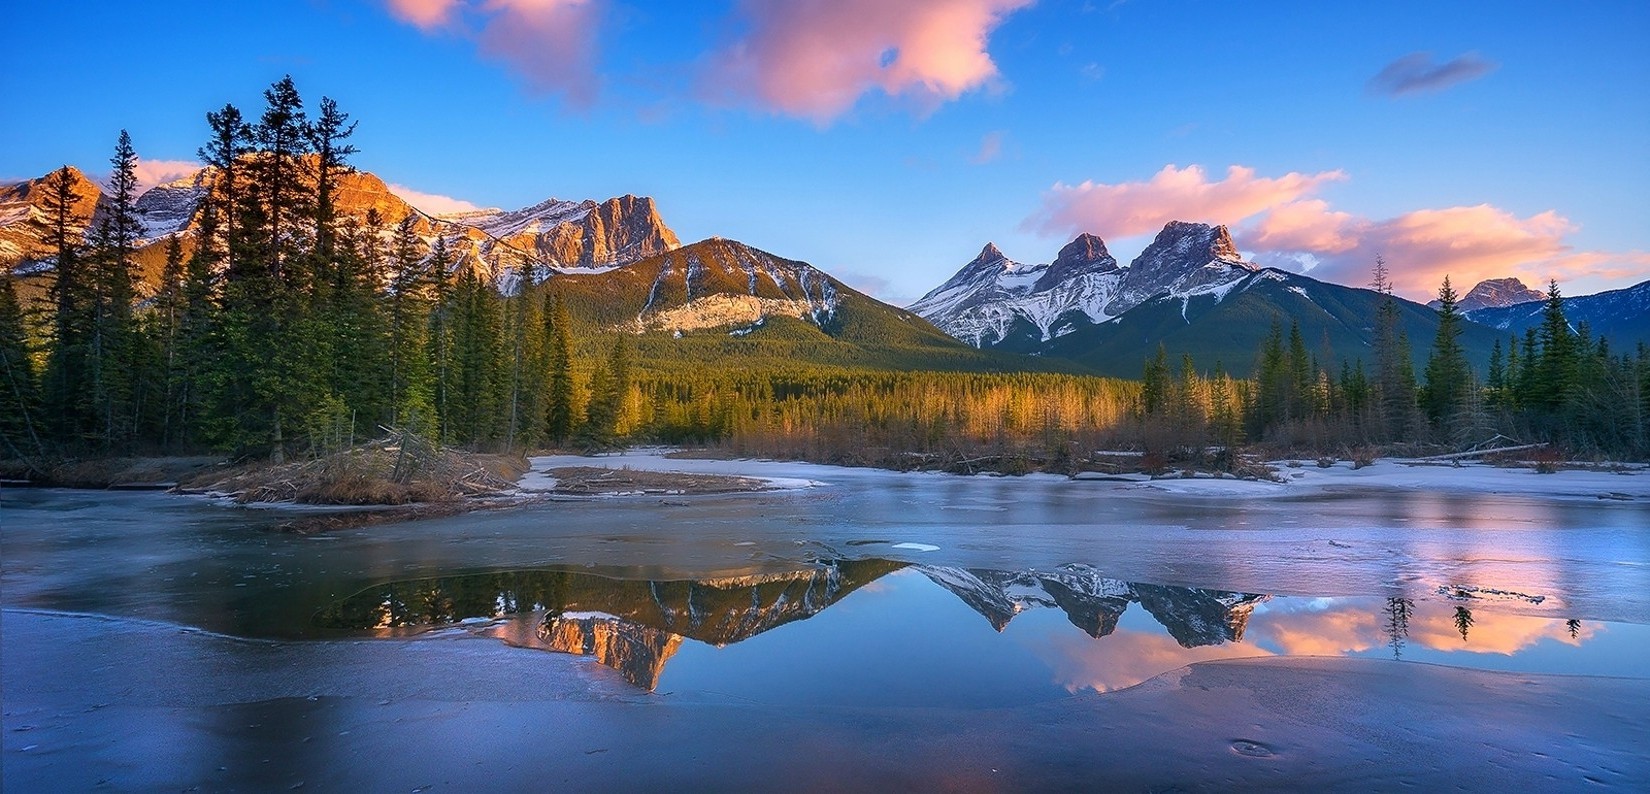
(555, 721)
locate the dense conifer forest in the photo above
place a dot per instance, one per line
(283, 329)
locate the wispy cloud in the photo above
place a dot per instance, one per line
(1282, 222)
(991, 148)
(550, 44)
(1174, 193)
(815, 58)
(425, 14)
(1418, 73)
(433, 203)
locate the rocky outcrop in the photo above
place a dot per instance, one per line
(1184, 258)
(1495, 293)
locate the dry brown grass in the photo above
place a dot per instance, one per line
(404, 469)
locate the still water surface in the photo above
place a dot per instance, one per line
(885, 589)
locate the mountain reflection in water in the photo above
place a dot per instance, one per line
(636, 626)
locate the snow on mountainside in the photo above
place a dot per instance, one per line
(713, 283)
(985, 301)
(994, 301)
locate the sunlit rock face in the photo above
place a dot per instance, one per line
(1495, 293)
(638, 652)
(717, 283)
(495, 244)
(25, 222)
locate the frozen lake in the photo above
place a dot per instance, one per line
(878, 600)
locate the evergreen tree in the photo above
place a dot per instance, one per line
(559, 416)
(1555, 369)
(600, 430)
(1448, 376)
(1394, 385)
(67, 392)
(411, 388)
(19, 392)
(440, 341)
(116, 353)
(1154, 396)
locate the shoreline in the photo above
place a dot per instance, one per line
(671, 472)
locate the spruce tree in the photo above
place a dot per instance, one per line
(67, 390)
(1448, 376)
(1555, 369)
(19, 391)
(558, 404)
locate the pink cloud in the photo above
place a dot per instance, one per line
(158, 172)
(1286, 226)
(1468, 244)
(991, 148)
(549, 44)
(424, 14)
(816, 58)
(433, 203)
(1174, 193)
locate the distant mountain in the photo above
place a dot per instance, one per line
(994, 302)
(551, 235)
(1494, 293)
(1226, 322)
(1622, 316)
(1189, 291)
(720, 300)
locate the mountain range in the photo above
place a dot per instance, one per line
(619, 266)
(1191, 292)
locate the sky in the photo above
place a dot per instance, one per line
(886, 141)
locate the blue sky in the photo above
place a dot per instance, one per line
(887, 140)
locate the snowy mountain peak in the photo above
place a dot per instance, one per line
(993, 297)
(1184, 257)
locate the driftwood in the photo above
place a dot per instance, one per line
(1478, 453)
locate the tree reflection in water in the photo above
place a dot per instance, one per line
(635, 626)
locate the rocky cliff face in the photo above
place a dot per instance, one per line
(23, 218)
(1495, 293)
(1184, 258)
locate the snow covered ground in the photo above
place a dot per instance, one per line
(1306, 480)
